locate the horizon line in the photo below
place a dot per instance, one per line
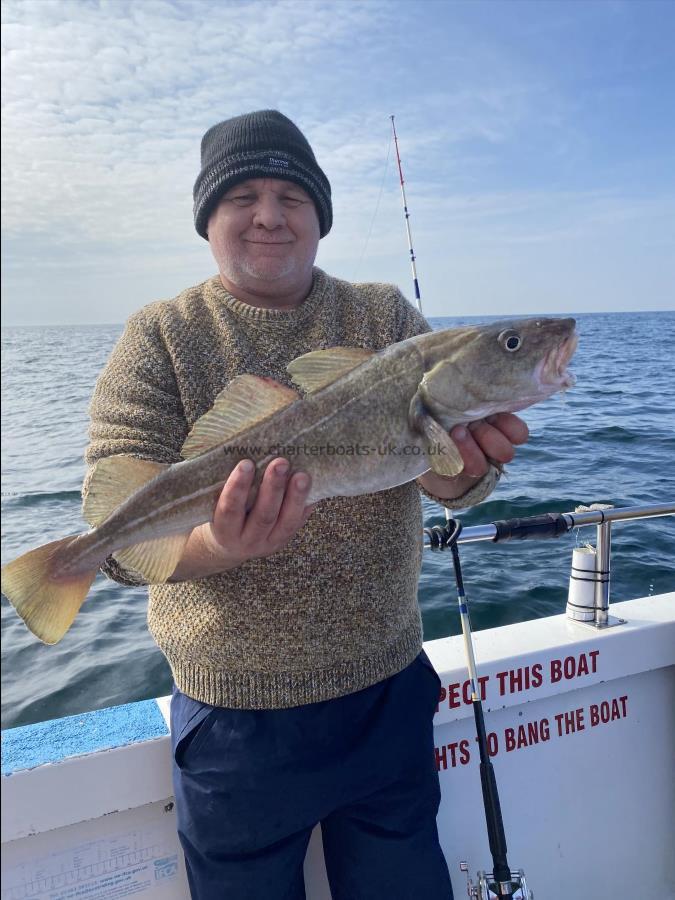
(596, 312)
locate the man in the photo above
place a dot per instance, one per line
(293, 634)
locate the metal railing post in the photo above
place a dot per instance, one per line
(602, 573)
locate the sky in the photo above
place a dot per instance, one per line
(537, 140)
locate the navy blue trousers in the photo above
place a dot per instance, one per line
(250, 785)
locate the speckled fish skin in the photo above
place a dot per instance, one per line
(463, 374)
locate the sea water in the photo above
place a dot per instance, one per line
(610, 439)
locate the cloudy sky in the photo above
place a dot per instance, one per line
(537, 141)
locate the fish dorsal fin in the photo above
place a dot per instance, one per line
(155, 560)
(246, 401)
(320, 368)
(443, 453)
(114, 479)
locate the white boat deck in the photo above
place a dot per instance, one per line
(581, 724)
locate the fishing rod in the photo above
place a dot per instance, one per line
(502, 881)
(407, 220)
(416, 283)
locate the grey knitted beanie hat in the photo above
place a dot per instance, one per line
(263, 144)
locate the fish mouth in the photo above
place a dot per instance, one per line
(552, 371)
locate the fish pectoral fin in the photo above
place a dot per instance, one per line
(246, 401)
(47, 605)
(155, 560)
(114, 480)
(444, 455)
(320, 368)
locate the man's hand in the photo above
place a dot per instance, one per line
(488, 440)
(235, 534)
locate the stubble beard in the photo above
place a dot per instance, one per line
(268, 271)
(239, 268)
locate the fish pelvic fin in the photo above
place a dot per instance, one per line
(245, 402)
(46, 604)
(113, 480)
(155, 560)
(320, 368)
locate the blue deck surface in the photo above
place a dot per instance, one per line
(48, 742)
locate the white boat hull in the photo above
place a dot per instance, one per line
(582, 723)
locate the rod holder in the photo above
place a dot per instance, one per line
(588, 596)
(581, 593)
(485, 886)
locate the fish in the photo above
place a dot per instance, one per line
(365, 421)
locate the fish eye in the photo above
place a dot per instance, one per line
(510, 340)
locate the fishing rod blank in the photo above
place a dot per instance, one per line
(416, 283)
(502, 881)
(407, 221)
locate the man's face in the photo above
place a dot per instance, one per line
(264, 235)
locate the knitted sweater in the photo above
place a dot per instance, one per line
(336, 610)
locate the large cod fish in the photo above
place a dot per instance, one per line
(368, 421)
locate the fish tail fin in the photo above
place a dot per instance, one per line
(46, 604)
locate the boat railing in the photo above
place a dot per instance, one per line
(588, 598)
